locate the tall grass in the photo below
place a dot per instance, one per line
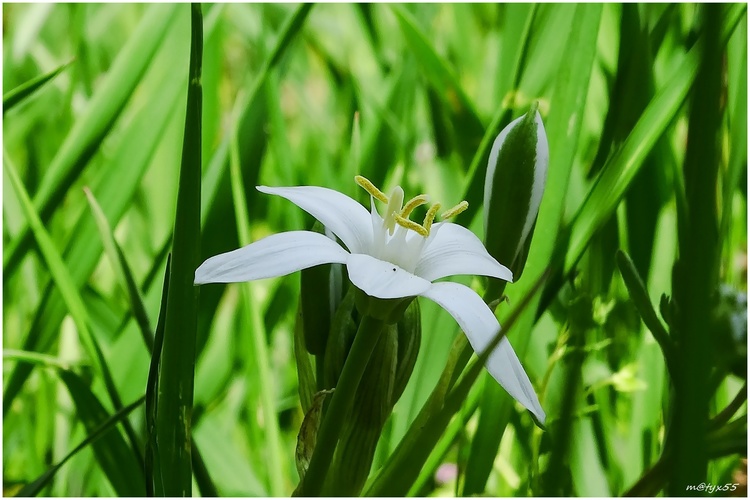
(630, 316)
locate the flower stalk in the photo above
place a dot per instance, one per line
(364, 344)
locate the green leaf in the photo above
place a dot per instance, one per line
(443, 79)
(26, 90)
(90, 129)
(563, 127)
(154, 484)
(110, 447)
(639, 295)
(695, 275)
(122, 270)
(116, 189)
(259, 371)
(176, 376)
(71, 297)
(618, 173)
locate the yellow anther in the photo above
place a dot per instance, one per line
(368, 186)
(430, 217)
(412, 204)
(455, 210)
(410, 224)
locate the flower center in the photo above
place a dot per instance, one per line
(398, 214)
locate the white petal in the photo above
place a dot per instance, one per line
(275, 255)
(345, 217)
(382, 279)
(480, 327)
(455, 250)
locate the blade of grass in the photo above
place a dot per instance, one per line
(73, 301)
(619, 172)
(36, 358)
(639, 296)
(34, 488)
(122, 270)
(116, 189)
(474, 186)
(262, 373)
(89, 130)
(496, 405)
(154, 483)
(176, 376)
(696, 273)
(112, 453)
(468, 126)
(737, 89)
(24, 91)
(568, 99)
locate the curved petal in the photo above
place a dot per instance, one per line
(275, 255)
(382, 279)
(349, 220)
(480, 327)
(455, 250)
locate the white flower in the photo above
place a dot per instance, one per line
(387, 258)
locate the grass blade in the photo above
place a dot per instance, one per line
(72, 298)
(116, 190)
(154, 483)
(569, 97)
(89, 130)
(639, 295)
(27, 89)
(478, 167)
(619, 172)
(261, 372)
(104, 429)
(122, 270)
(466, 121)
(696, 273)
(176, 377)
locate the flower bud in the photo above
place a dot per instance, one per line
(513, 188)
(343, 330)
(372, 406)
(320, 294)
(409, 339)
(385, 377)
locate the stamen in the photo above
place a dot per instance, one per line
(412, 204)
(368, 186)
(410, 224)
(430, 217)
(455, 210)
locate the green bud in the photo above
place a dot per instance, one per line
(513, 188)
(343, 329)
(320, 295)
(371, 408)
(409, 339)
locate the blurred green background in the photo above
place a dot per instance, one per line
(418, 87)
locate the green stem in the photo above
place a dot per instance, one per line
(328, 435)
